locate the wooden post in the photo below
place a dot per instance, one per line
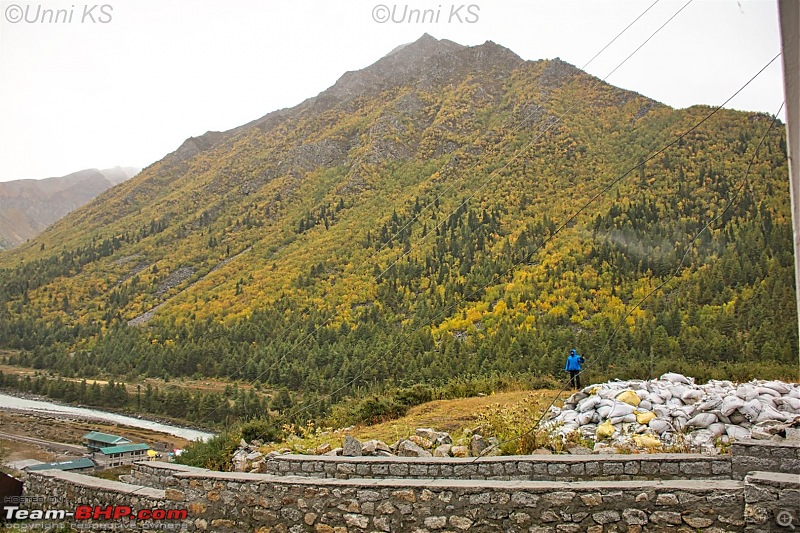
(789, 14)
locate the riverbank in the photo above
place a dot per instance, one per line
(27, 405)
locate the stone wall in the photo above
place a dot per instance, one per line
(751, 455)
(772, 501)
(225, 501)
(368, 495)
(522, 467)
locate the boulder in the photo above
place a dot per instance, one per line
(438, 437)
(372, 447)
(422, 442)
(351, 447)
(459, 451)
(407, 448)
(322, 448)
(477, 444)
(239, 461)
(443, 450)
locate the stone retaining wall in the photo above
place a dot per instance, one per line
(751, 455)
(772, 502)
(227, 502)
(521, 467)
(426, 500)
(157, 474)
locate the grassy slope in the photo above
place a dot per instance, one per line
(458, 417)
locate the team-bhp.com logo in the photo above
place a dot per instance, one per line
(39, 14)
(95, 512)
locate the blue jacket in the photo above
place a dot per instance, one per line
(573, 362)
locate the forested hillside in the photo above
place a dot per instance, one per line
(409, 225)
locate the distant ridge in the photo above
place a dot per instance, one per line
(27, 207)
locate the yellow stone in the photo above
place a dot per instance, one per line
(197, 508)
(405, 495)
(174, 495)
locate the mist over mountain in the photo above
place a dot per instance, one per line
(27, 207)
(409, 224)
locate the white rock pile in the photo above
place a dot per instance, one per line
(674, 411)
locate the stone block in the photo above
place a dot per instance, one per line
(649, 468)
(460, 522)
(418, 470)
(670, 468)
(592, 499)
(606, 517)
(756, 493)
(398, 469)
(694, 468)
(355, 520)
(698, 522)
(405, 495)
(669, 500)
(721, 467)
(479, 499)
(435, 522)
(559, 498)
(632, 467)
(577, 470)
(174, 495)
(666, 517)
(613, 469)
(634, 517)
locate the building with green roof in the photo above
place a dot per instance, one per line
(94, 440)
(84, 463)
(124, 454)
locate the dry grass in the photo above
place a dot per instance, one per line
(458, 417)
(16, 451)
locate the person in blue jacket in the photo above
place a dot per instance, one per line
(574, 365)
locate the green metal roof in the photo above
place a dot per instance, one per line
(105, 437)
(84, 462)
(108, 450)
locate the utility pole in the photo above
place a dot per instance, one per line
(789, 15)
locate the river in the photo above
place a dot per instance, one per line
(23, 404)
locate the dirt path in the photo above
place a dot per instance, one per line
(58, 447)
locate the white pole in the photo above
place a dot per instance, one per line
(789, 14)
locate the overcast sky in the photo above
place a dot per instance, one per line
(125, 82)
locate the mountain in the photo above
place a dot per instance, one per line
(27, 207)
(448, 211)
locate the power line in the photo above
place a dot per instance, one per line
(558, 230)
(674, 274)
(485, 156)
(492, 175)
